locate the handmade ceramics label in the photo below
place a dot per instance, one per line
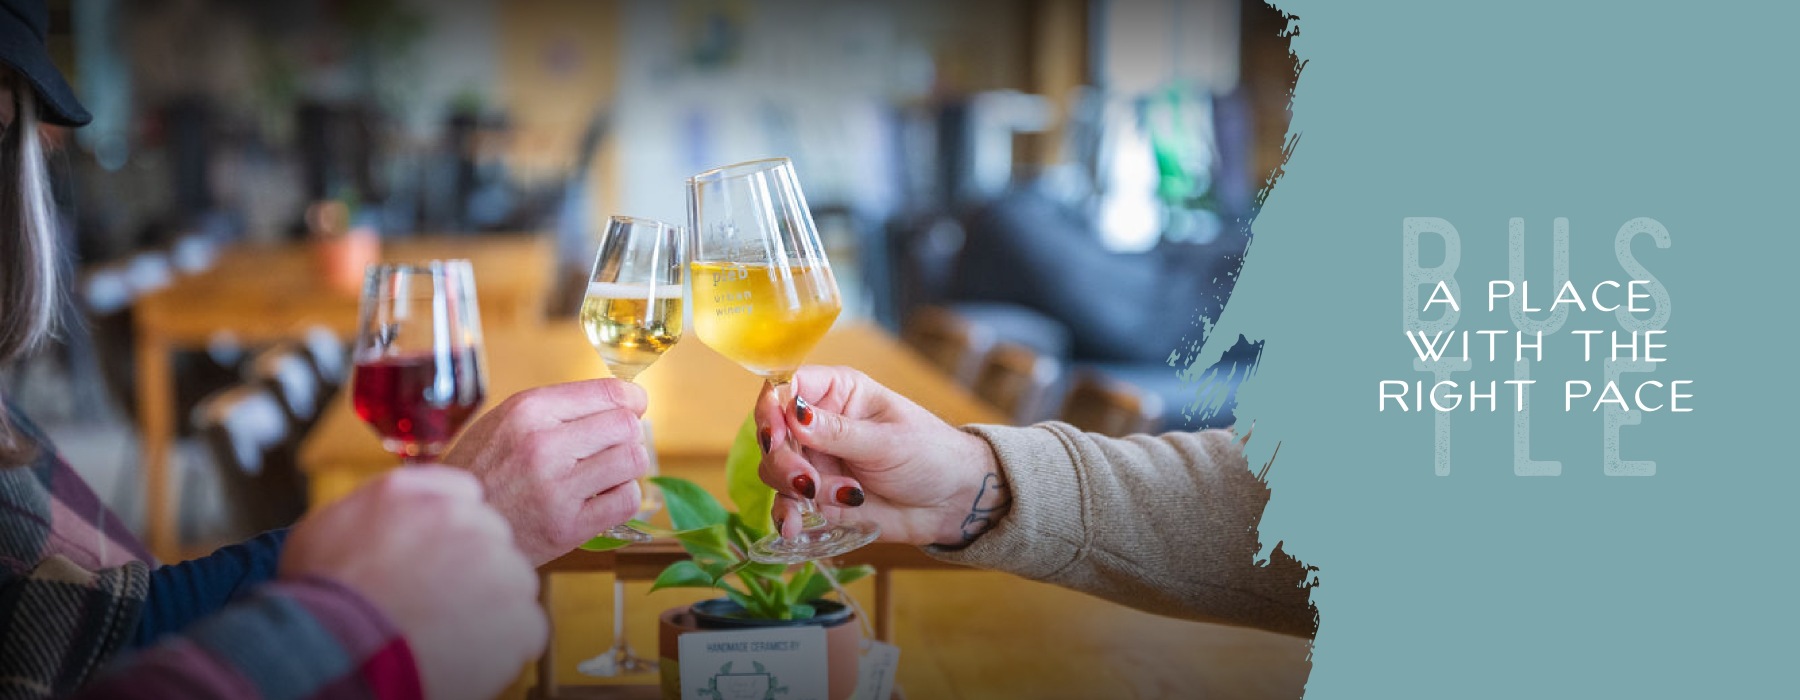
(789, 663)
(875, 677)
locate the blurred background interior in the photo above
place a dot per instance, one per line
(1047, 199)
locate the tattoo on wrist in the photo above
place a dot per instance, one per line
(992, 500)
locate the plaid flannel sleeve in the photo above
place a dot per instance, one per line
(292, 640)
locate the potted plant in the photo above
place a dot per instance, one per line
(342, 247)
(754, 595)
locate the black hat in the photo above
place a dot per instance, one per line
(23, 26)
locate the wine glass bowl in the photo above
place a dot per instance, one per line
(763, 294)
(419, 373)
(633, 311)
(799, 301)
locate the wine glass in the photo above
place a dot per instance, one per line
(632, 315)
(763, 295)
(633, 311)
(418, 375)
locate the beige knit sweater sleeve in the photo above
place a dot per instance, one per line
(1163, 523)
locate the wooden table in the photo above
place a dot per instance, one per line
(265, 294)
(963, 633)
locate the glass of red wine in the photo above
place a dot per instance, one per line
(419, 374)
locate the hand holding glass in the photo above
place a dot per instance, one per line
(763, 296)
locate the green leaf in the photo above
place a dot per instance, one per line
(743, 600)
(801, 612)
(761, 572)
(683, 574)
(690, 507)
(810, 585)
(603, 544)
(706, 543)
(815, 584)
(767, 571)
(848, 574)
(649, 529)
(767, 605)
(776, 595)
(717, 570)
(753, 499)
(740, 533)
(805, 578)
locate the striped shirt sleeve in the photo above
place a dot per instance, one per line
(294, 640)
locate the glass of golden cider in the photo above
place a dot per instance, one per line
(633, 312)
(763, 295)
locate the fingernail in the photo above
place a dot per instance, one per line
(803, 485)
(850, 496)
(802, 412)
(762, 437)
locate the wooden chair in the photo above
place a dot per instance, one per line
(1099, 404)
(949, 340)
(248, 434)
(329, 356)
(1015, 380)
(107, 293)
(288, 371)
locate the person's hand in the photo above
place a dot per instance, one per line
(877, 457)
(561, 462)
(419, 544)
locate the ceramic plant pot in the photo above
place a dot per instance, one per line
(843, 639)
(341, 258)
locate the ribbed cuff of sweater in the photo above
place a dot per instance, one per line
(1042, 533)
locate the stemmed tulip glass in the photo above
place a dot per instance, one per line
(418, 375)
(632, 315)
(633, 310)
(763, 295)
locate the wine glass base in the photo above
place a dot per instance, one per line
(415, 452)
(617, 661)
(628, 534)
(814, 543)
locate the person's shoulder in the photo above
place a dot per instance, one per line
(47, 508)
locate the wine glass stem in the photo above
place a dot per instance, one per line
(619, 641)
(784, 396)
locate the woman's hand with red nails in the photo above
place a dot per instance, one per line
(871, 455)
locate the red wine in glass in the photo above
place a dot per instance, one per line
(419, 374)
(417, 403)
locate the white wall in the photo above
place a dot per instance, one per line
(1151, 42)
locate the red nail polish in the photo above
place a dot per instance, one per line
(763, 438)
(803, 485)
(802, 412)
(850, 496)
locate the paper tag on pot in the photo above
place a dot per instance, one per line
(790, 663)
(875, 675)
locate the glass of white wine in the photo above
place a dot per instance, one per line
(633, 311)
(763, 296)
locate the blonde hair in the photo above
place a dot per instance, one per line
(28, 269)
